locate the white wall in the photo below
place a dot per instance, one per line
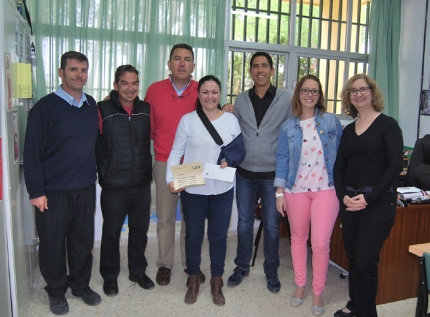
(424, 126)
(5, 290)
(411, 56)
(98, 221)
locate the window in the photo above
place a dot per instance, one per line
(260, 21)
(112, 33)
(327, 38)
(238, 69)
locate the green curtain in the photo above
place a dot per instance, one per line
(112, 33)
(385, 23)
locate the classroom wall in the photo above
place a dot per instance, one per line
(411, 57)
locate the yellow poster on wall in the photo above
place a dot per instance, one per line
(21, 80)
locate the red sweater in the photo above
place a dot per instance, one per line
(166, 111)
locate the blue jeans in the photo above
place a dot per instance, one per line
(246, 196)
(217, 209)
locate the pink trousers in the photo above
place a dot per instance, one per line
(319, 210)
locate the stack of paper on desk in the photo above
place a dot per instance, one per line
(412, 192)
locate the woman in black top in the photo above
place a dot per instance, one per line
(368, 162)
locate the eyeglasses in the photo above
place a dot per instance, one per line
(306, 91)
(362, 90)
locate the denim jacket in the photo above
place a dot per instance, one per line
(290, 147)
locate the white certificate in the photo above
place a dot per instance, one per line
(188, 175)
(213, 171)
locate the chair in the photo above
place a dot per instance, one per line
(258, 235)
(258, 216)
(423, 289)
(418, 174)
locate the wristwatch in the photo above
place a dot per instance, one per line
(279, 195)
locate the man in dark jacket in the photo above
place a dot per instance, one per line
(124, 166)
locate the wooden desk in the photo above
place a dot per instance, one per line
(419, 249)
(398, 269)
(422, 301)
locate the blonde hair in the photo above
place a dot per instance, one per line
(377, 99)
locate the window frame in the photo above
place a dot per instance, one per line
(292, 52)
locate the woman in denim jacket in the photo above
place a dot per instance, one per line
(307, 148)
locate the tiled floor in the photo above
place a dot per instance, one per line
(251, 298)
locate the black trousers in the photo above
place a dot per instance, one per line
(116, 204)
(364, 233)
(68, 223)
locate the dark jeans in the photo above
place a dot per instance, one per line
(217, 209)
(116, 204)
(68, 221)
(364, 233)
(246, 196)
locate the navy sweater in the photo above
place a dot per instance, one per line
(59, 148)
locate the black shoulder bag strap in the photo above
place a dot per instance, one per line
(208, 124)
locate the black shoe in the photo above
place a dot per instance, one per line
(143, 280)
(273, 283)
(341, 313)
(89, 297)
(202, 277)
(59, 305)
(237, 277)
(110, 287)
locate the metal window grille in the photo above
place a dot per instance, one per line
(327, 38)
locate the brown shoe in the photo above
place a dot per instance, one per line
(216, 290)
(163, 276)
(193, 284)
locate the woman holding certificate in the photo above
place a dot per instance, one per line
(212, 201)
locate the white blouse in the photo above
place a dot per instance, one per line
(193, 141)
(312, 172)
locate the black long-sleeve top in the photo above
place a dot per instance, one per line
(369, 163)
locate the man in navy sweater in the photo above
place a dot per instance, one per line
(60, 175)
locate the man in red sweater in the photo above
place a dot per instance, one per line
(169, 100)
